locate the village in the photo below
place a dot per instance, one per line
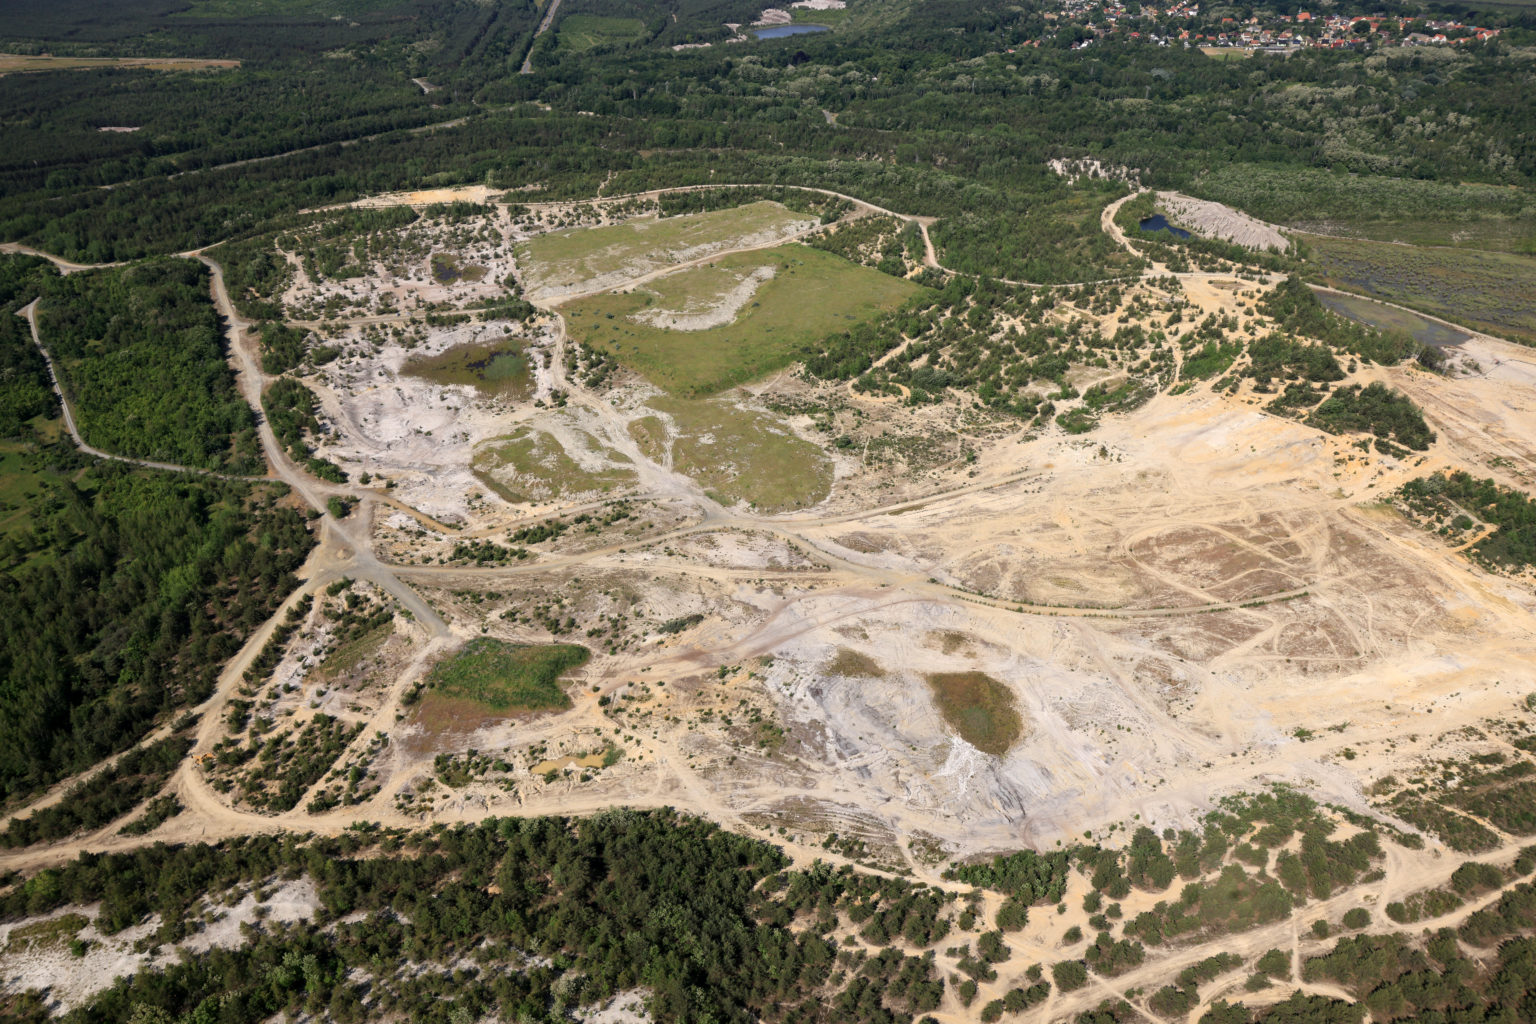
(1264, 30)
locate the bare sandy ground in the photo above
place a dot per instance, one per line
(1214, 220)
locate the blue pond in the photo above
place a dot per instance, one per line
(780, 31)
(1157, 222)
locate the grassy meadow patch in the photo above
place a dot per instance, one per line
(1487, 290)
(507, 678)
(855, 665)
(575, 259)
(581, 32)
(810, 294)
(736, 454)
(979, 708)
(533, 465)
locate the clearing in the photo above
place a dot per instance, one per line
(581, 32)
(582, 260)
(701, 330)
(14, 63)
(735, 454)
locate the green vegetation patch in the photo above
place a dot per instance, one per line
(1487, 290)
(736, 454)
(493, 368)
(854, 665)
(508, 677)
(533, 465)
(809, 295)
(574, 259)
(1417, 211)
(1375, 409)
(447, 268)
(981, 709)
(581, 32)
(1512, 545)
(142, 358)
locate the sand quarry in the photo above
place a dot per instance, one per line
(1195, 599)
(1169, 598)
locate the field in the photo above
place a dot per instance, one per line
(736, 454)
(581, 260)
(495, 368)
(13, 63)
(581, 32)
(533, 465)
(1487, 290)
(752, 313)
(507, 677)
(979, 708)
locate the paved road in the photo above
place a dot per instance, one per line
(549, 19)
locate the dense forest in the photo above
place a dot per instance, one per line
(708, 923)
(712, 926)
(140, 353)
(121, 601)
(936, 113)
(25, 392)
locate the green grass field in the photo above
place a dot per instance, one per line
(812, 294)
(507, 677)
(979, 708)
(581, 32)
(1490, 291)
(532, 465)
(494, 368)
(736, 454)
(577, 259)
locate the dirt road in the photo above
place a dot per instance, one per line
(29, 312)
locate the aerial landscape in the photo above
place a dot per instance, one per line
(698, 510)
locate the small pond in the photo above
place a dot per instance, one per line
(1157, 222)
(780, 31)
(1422, 329)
